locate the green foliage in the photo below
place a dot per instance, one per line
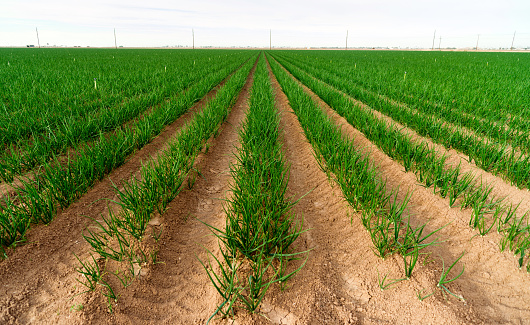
(336, 88)
(361, 182)
(119, 235)
(260, 229)
(62, 180)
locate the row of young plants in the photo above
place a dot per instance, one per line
(120, 236)
(44, 89)
(490, 86)
(361, 182)
(432, 113)
(61, 85)
(488, 155)
(431, 169)
(28, 153)
(260, 229)
(58, 184)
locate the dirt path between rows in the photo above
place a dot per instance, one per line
(494, 289)
(343, 260)
(501, 188)
(177, 290)
(38, 280)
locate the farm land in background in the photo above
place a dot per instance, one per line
(276, 187)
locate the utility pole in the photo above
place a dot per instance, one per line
(193, 37)
(115, 42)
(513, 39)
(476, 47)
(440, 44)
(38, 40)
(433, 38)
(270, 39)
(346, 39)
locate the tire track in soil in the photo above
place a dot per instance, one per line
(491, 284)
(178, 290)
(338, 285)
(38, 280)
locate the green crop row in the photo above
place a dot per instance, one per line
(159, 181)
(44, 89)
(489, 86)
(361, 182)
(430, 168)
(26, 154)
(119, 236)
(434, 113)
(259, 226)
(58, 185)
(486, 154)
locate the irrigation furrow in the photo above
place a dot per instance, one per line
(178, 290)
(58, 186)
(343, 251)
(481, 252)
(487, 211)
(501, 189)
(489, 156)
(52, 246)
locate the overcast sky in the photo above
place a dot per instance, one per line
(371, 23)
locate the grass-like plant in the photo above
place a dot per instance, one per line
(430, 167)
(444, 280)
(256, 243)
(119, 235)
(91, 273)
(59, 183)
(383, 285)
(361, 182)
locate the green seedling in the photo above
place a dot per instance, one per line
(421, 297)
(444, 280)
(76, 307)
(91, 273)
(383, 285)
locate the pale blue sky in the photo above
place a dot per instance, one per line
(406, 23)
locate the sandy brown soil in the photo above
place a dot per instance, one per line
(501, 188)
(338, 285)
(38, 280)
(177, 291)
(494, 289)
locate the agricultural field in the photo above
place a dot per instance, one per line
(264, 187)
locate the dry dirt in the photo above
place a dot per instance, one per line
(338, 285)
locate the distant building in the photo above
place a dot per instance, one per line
(30, 45)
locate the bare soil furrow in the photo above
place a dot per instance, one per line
(339, 282)
(177, 290)
(45, 265)
(501, 188)
(502, 299)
